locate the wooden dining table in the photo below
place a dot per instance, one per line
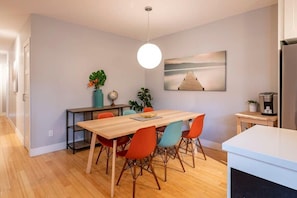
(112, 128)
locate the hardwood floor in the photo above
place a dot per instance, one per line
(62, 174)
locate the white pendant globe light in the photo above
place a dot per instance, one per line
(149, 55)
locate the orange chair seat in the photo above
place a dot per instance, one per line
(122, 153)
(185, 134)
(109, 143)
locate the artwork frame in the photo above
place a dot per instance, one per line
(201, 72)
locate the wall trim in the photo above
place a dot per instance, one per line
(47, 149)
(50, 148)
(211, 144)
(16, 130)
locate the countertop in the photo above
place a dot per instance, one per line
(271, 145)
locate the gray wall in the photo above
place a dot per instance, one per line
(251, 43)
(63, 56)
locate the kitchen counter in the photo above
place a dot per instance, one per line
(265, 152)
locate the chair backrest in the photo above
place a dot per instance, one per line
(105, 115)
(196, 128)
(128, 112)
(171, 134)
(148, 109)
(143, 143)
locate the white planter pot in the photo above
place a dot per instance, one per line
(253, 107)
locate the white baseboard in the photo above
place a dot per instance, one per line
(17, 132)
(19, 135)
(211, 144)
(47, 149)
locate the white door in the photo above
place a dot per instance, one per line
(26, 95)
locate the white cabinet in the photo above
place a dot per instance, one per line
(290, 19)
(267, 153)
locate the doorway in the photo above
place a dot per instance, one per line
(3, 82)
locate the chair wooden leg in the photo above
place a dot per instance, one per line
(153, 172)
(177, 154)
(107, 160)
(134, 177)
(141, 163)
(178, 147)
(187, 143)
(123, 169)
(200, 146)
(165, 164)
(99, 153)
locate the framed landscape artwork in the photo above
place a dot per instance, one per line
(202, 72)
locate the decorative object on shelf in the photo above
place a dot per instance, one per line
(253, 105)
(144, 100)
(113, 95)
(96, 80)
(149, 55)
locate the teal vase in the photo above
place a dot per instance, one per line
(98, 98)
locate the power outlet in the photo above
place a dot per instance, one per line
(51, 133)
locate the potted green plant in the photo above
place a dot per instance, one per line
(144, 100)
(97, 80)
(253, 104)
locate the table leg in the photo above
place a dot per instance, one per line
(91, 152)
(238, 125)
(270, 123)
(114, 150)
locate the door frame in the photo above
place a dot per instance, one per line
(26, 96)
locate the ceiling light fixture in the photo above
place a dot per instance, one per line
(149, 55)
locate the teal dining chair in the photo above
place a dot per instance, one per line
(128, 112)
(167, 144)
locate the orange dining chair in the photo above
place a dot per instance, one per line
(139, 154)
(167, 145)
(106, 143)
(148, 109)
(191, 136)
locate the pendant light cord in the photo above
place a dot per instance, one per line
(148, 9)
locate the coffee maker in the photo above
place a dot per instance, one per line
(268, 103)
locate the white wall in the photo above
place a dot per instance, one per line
(251, 43)
(3, 81)
(62, 57)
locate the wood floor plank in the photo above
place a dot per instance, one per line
(62, 174)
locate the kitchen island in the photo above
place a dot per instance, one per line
(262, 162)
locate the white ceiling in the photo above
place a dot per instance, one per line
(122, 17)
